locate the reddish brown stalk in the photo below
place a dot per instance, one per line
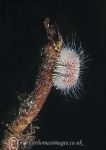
(43, 85)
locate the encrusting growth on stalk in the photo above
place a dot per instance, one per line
(43, 85)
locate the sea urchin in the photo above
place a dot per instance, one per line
(67, 71)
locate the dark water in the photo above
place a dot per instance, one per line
(22, 36)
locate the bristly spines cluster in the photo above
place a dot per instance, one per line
(67, 73)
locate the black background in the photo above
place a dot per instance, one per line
(22, 36)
